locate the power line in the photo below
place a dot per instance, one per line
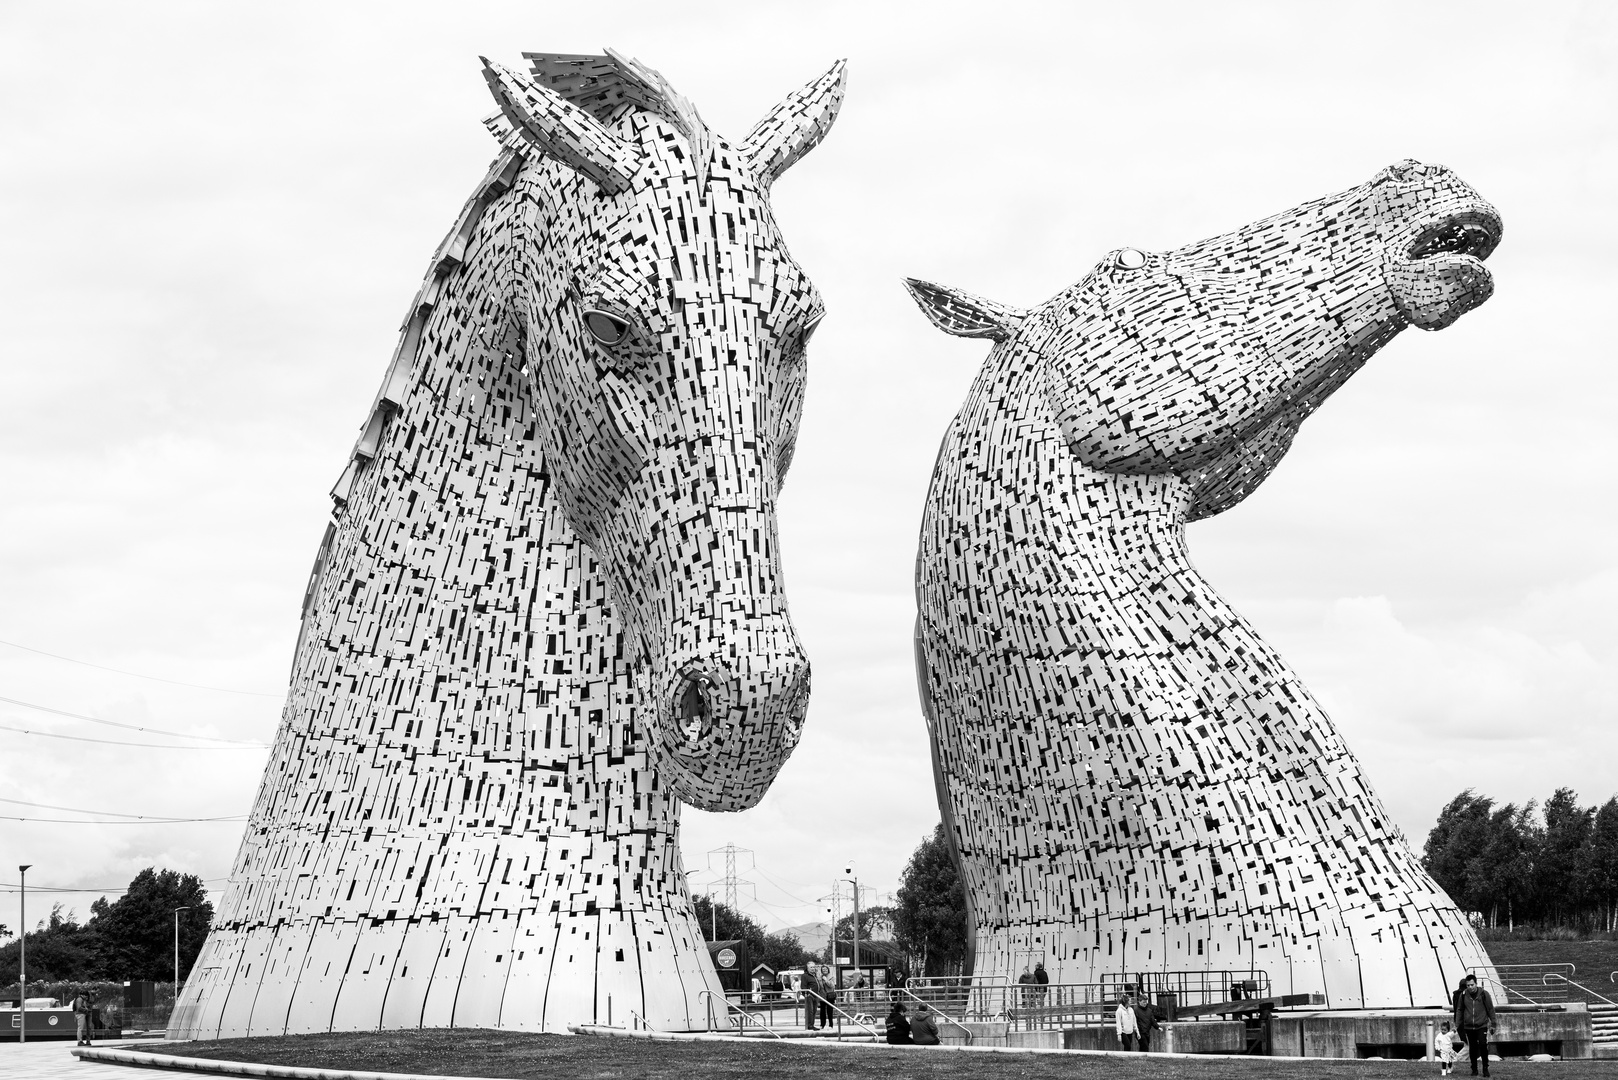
(136, 674)
(11, 886)
(112, 813)
(117, 742)
(776, 882)
(127, 727)
(121, 821)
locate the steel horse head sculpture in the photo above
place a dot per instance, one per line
(549, 606)
(1135, 781)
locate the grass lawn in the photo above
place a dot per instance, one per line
(505, 1054)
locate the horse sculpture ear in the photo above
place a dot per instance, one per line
(796, 126)
(564, 131)
(962, 314)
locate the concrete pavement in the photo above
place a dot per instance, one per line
(55, 1061)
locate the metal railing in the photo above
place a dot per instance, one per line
(940, 1014)
(1528, 982)
(843, 1014)
(965, 996)
(742, 1014)
(1037, 1006)
(1551, 975)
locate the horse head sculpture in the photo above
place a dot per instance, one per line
(1135, 780)
(549, 605)
(663, 329)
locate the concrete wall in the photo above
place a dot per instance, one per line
(1202, 1037)
(1563, 1030)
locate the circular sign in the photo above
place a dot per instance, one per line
(53, 1021)
(726, 958)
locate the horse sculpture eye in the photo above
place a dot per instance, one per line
(605, 328)
(1130, 259)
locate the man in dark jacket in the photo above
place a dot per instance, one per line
(81, 1016)
(1474, 1019)
(1145, 1023)
(897, 1025)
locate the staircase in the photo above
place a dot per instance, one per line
(1604, 1023)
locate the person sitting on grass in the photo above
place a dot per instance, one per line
(898, 1027)
(924, 1029)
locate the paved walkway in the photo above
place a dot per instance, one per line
(55, 1061)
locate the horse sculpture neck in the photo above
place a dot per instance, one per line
(1136, 782)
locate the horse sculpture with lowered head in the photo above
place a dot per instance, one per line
(1134, 781)
(549, 606)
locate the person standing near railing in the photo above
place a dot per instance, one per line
(1124, 1020)
(828, 994)
(809, 987)
(1145, 1022)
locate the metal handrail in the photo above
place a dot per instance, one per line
(641, 1020)
(905, 990)
(741, 1012)
(1553, 975)
(840, 1012)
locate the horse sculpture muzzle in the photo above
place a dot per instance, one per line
(1437, 275)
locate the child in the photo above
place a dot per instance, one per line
(1447, 1046)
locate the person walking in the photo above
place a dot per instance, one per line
(897, 1025)
(924, 1029)
(1447, 1046)
(81, 1016)
(1124, 1020)
(1474, 1018)
(1145, 1023)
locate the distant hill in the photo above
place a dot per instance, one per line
(812, 936)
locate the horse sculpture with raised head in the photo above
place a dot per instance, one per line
(1133, 780)
(550, 604)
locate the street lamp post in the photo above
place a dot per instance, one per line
(22, 958)
(854, 881)
(177, 952)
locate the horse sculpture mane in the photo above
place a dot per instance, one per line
(1135, 783)
(548, 608)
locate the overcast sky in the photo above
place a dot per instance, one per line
(216, 214)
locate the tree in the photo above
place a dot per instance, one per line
(1561, 883)
(1456, 843)
(135, 934)
(1601, 863)
(783, 951)
(877, 939)
(59, 950)
(930, 918)
(1505, 872)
